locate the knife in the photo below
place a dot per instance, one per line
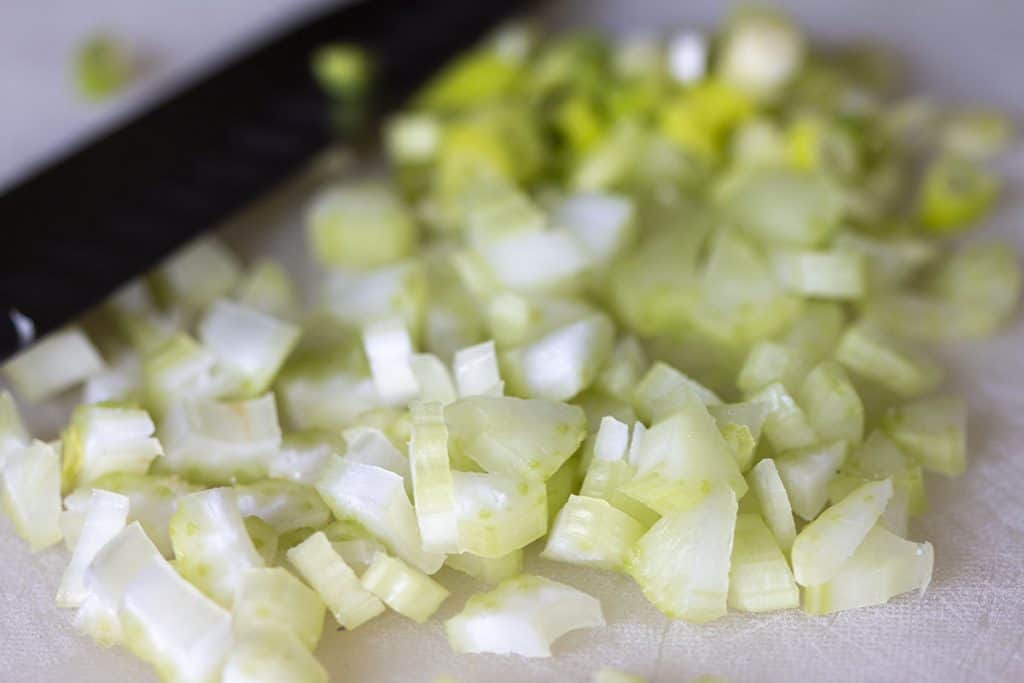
(114, 208)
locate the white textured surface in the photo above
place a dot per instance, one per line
(968, 627)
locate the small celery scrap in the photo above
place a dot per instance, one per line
(103, 66)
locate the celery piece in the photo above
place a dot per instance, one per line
(473, 79)
(494, 210)
(196, 274)
(760, 53)
(371, 446)
(413, 138)
(769, 362)
(622, 372)
(871, 354)
(522, 616)
(120, 381)
(888, 262)
(361, 225)
(302, 456)
(806, 474)
(824, 545)
(488, 570)
(273, 596)
(407, 591)
(759, 577)
(933, 431)
(358, 297)
(248, 343)
(609, 472)
(877, 458)
(562, 363)
(342, 70)
(476, 371)
(389, 351)
(169, 623)
(955, 193)
(103, 66)
(284, 505)
(105, 516)
(520, 437)
(770, 492)
(30, 487)
(180, 368)
(212, 548)
(376, 498)
(433, 378)
(604, 223)
(591, 532)
(536, 260)
(432, 485)
(976, 134)
(338, 586)
(265, 540)
(562, 484)
(832, 404)
(883, 566)
(212, 442)
(266, 287)
(105, 438)
(741, 425)
(497, 513)
(269, 653)
(54, 364)
(664, 390)
(983, 281)
(786, 425)
(355, 544)
(834, 274)
(326, 401)
(607, 163)
(612, 676)
(682, 562)
(13, 434)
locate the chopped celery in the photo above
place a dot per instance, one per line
(983, 281)
(498, 513)
(682, 562)
(976, 134)
(376, 498)
(933, 431)
(833, 406)
(413, 138)
(613, 676)
(767, 363)
(522, 616)
(302, 456)
(342, 70)
(335, 582)
(562, 484)
(869, 353)
(355, 544)
(52, 365)
(761, 52)
(786, 425)
(265, 540)
(120, 381)
(180, 368)
(770, 492)
(489, 570)
(360, 226)
(520, 437)
(389, 350)
(476, 371)
(358, 297)
(603, 223)
(432, 485)
(664, 390)
(433, 379)
(284, 505)
(370, 446)
(212, 442)
(759, 577)
(890, 262)
(197, 274)
(266, 287)
(13, 434)
(407, 591)
(741, 425)
(562, 363)
(105, 438)
(824, 545)
(269, 653)
(883, 565)
(248, 343)
(326, 400)
(609, 472)
(622, 372)
(832, 274)
(954, 193)
(30, 485)
(106, 516)
(212, 548)
(103, 66)
(536, 260)
(272, 595)
(592, 533)
(806, 474)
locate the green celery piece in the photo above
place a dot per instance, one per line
(407, 591)
(270, 652)
(488, 570)
(341, 219)
(592, 533)
(933, 431)
(760, 580)
(272, 595)
(833, 406)
(102, 67)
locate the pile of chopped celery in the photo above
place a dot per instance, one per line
(658, 307)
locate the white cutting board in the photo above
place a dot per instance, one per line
(968, 627)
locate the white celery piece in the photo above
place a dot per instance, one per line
(389, 350)
(883, 566)
(664, 391)
(832, 404)
(806, 474)
(169, 623)
(822, 274)
(13, 434)
(592, 533)
(476, 371)
(106, 577)
(376, 498)
(106, 516)
(302, 456)
(356, 545)
(869, 353)
(270, 653)
(30, 483)
(180, 368)
(119, 381)
(563, 362)
(760, 580)
(933, 431)
(52, 365)
(603, 223)
(612, 676)
(770, 492)
(497, 513)
(326, 572)
(490, 570)
(535, 260)
(521, 437)
(622, 372)
(769, 362)
(760, 53)
(741, 425)
(433, 378)
(266, 287)
(821, 547)
(284, 505)
(682, 562)
(358, 297)
(370, 446)
(786, 425)
(197, 274)
(215, 442)
(413, 137)
(612, 442)
(103, 439)
(432, 485)
(265, 540)
(360, 225)
(249, 343)
(326, 402)
(522, 616)
(273, 596)
(212, 548)
(407, 591)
